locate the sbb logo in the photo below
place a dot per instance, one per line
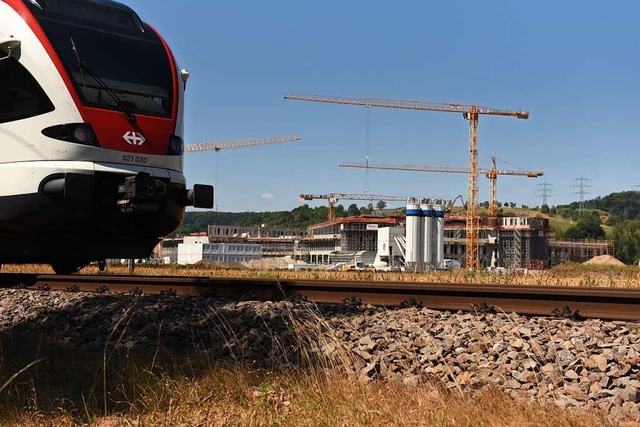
(134, 138)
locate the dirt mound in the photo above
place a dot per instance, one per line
(604, 260)
(272, 263)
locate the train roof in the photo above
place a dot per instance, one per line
(107, 12)
(56, 4)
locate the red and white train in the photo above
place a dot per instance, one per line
(91, 134)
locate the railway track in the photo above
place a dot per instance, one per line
(576, 302)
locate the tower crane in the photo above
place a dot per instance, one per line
(217, 146)
(492, 174)
(470, 112)
(334, 197)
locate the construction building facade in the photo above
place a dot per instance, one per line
(343, 239)
(518, 242)
(510, 242)
(216, 232)
(561, 251)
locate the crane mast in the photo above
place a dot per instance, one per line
(470, 112)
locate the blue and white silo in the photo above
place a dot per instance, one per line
(427, 230)
(438, 210)
(414, 231)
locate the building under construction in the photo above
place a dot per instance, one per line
(225, 240)
(510, 242)
(561, 251)
(275, 241)
(518, 242)
(343, 239)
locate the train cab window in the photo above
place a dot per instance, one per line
(20, 94)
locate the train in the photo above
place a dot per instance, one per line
(91, 135)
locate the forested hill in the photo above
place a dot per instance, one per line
(620, 206)
(623, 215)
(300, 217)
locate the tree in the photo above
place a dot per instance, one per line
(353, 210)
(544, 209)
(620, 206)
(627, 237)
(573, 233)
(587, 227)
(381, 205)
(366, 209)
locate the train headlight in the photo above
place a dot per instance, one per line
(78, 133)
(176, 146)
(84, 134)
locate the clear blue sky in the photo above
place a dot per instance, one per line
(574, 65)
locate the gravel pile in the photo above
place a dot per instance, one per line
(590, 363)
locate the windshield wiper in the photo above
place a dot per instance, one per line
(84, 66)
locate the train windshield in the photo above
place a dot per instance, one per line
(112, 68)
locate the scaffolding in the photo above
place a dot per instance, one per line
(516, 256)
(561, 251)
(523, 241)
(512, 242)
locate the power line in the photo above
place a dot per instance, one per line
(544, 191)
(582, 185)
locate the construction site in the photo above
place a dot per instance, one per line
(511, 242)
(507, 242)
(414, 238)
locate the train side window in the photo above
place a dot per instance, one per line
(20, 94)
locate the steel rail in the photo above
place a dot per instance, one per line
(588, 302)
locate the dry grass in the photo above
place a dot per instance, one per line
(565, 275)
(234, 396)
(315, 382)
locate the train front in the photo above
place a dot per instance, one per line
(102, 148)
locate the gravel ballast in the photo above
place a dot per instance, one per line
(589, 364)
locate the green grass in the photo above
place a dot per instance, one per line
(559, 224)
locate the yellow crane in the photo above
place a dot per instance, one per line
(470, 112)
(334, 197)
(492, 174)
(217, 146)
